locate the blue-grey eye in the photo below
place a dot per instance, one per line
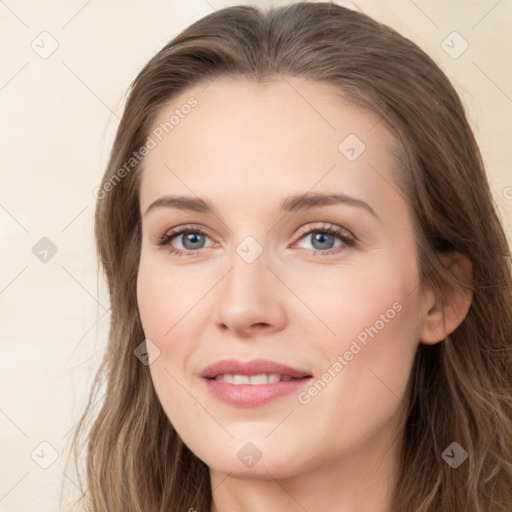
(325, 241)
(322, 240)
(192, 240)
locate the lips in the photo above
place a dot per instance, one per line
(251, 368)
(253, 383)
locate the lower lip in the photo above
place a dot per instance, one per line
(252, 395)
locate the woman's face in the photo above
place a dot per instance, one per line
(284, 325)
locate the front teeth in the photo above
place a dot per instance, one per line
(262, 378)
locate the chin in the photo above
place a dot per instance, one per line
(253, 457)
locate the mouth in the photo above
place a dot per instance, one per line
(252, 383)
(261, 378)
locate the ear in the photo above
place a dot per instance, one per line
(444, 313)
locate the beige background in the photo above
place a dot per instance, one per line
(57, 119)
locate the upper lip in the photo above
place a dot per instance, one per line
(254, 367)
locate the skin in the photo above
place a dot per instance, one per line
(244, 148)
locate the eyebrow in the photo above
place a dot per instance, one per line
(290, 204)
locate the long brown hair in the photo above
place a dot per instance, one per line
(460, 389)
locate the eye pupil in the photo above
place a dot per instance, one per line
(193, 238)
(322, 238)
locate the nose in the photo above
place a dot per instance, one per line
(249, 299)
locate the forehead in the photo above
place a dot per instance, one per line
(259, 138)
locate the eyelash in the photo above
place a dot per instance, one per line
(349, 241)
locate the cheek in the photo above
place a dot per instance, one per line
(164, 299)
(166, 308)
(361, 388)
(373, 313)
(359, 302)
(159, 308)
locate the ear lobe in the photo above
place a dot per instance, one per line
(446, 312)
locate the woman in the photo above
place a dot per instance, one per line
(310, 287)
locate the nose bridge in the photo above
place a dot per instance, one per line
(248, 269)
(247, 296)
(247, 255)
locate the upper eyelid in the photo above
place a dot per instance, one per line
(304, 229)
(326, 226)
(187, 228)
